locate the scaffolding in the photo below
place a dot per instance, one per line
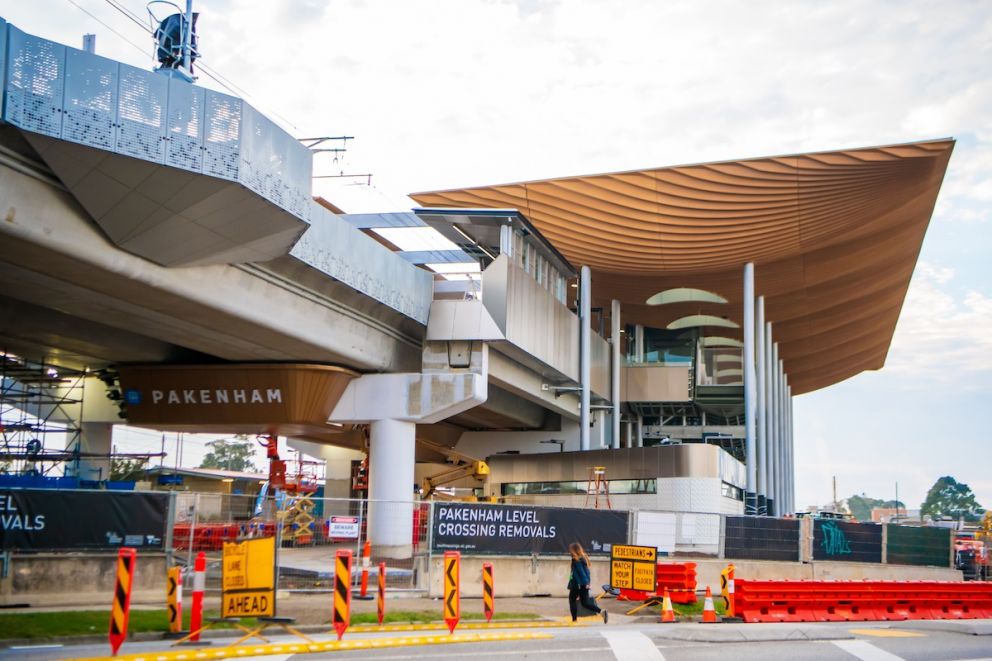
(41, 409)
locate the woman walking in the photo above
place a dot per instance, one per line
(578, 584)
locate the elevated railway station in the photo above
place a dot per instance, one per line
(160, 242)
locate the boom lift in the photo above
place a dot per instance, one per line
(465, 466)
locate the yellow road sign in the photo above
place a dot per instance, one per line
(248, 578)
(633, 567)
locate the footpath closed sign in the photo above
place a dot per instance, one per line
(633, 567)
(248, 578)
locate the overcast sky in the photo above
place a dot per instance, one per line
(450, 93)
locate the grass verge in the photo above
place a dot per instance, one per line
(55, 624)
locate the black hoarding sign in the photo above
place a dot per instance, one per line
(516, 529)
(39, 519)
(759, 538)
(918, 546)
(847, 542)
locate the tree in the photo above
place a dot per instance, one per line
(230, 454)
(949, 498)
(861, 506)
(126, 470)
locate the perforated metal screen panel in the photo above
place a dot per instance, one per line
(33, 89)
(918, 546)
(143, 102)
(757, 538)
(84, 98)
(222, 135)
(184, 147)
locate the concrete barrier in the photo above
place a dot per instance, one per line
(522, 576)
(74, 579)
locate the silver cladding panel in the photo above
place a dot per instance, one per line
(335, 248)
(70, 94)
(663, 461)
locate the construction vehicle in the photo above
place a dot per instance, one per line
(464, 466)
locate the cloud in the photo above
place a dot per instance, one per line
(941, 337)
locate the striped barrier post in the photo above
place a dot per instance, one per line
(380, 604)
(199, 585)
(488, 596)
(452, 578)
(342, 592)
(121, 608)
(366, 563)
(174, 598)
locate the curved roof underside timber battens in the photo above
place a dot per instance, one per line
(834, 237)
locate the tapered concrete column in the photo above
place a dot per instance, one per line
(750, 457)
(639, 343)
(615, 371)
(768, 462)
(391, 480)
(761, 420)
(628, 436)
(585, 319)
(94, 438)
(639, 432)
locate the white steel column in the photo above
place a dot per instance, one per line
(761, 423)
(627, 435)
(639, 343)
(783, 468)
(391, 481)
(773, 421)
(615, 375)
(791, 446)
(750, 504)
(639, 432)
(585, 314)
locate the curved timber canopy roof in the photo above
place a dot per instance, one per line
(834, 237)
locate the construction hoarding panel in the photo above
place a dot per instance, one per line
(918, 546)
(515, 529)
(846, 541)
(46, 519)
(760, 538)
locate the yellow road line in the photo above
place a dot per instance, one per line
(329, 646)
(886, 633)
(539, 624)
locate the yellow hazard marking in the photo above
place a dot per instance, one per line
(375, 628)
(329, 646)
(886, 633)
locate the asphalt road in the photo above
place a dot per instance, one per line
(634, 641)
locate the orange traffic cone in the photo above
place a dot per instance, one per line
(709, 613)
(667, 614)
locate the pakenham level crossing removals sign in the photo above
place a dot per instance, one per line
(248, 578)
(633, 567)
(516, 529)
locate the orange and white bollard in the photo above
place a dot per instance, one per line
(199, 584)
(667, 613)
(709, 612)
(380, 605)
(366, 563)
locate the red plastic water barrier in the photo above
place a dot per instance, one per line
(678, 578)
(853, 601)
